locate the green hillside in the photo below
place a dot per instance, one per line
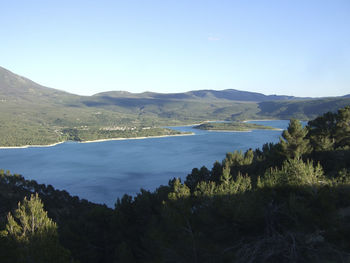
(302, 109)
(232, 126)
(35, 115)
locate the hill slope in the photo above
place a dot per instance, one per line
(228, 94)
(305, 109)
(15, 88)
(33, 114)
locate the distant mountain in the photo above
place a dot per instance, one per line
(228, 94)
(237, 95)
(15, 88)
(34, 114)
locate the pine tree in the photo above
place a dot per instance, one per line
(226, 176)
(294, 172)
(33, 234)
(342, 132)
(294, 143)
(197, 176)
(32, 217)
(216, 172)
(179, 190)
(321, 132)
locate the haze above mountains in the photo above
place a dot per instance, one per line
(29, 110)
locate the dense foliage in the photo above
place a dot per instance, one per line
(285, 202)
(32, 235)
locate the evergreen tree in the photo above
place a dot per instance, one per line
(294, 143)
(216, 172)
(294, 172)
(342, 132)
(179, 190)
(248, 157)
(197, 176)
(226, 176)
(321, 132)
(33, 234)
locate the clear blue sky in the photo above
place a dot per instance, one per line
(292, 47)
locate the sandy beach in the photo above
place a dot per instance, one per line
(100, 140)
(137, 138)
(28, 146)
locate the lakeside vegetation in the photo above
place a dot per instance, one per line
(27, 136)
(285, 202)
(232, 126)
(82, 135)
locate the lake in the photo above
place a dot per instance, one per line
(103, 171)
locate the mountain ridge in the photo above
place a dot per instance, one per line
(17, 86)
(15, 81)
(226, 94)
(32, 114)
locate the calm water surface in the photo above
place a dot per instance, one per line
(102, 172)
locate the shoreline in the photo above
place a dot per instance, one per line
(208, 121)
(261, 120)
(31, 146)
(226, 131)
(137, 138)
(189, 125)
(275, 129)
(99, 140)
(141, 138)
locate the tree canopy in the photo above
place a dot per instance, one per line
(33, 234)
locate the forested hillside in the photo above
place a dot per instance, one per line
(302, 109)
(35, 115)
(285, 202)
